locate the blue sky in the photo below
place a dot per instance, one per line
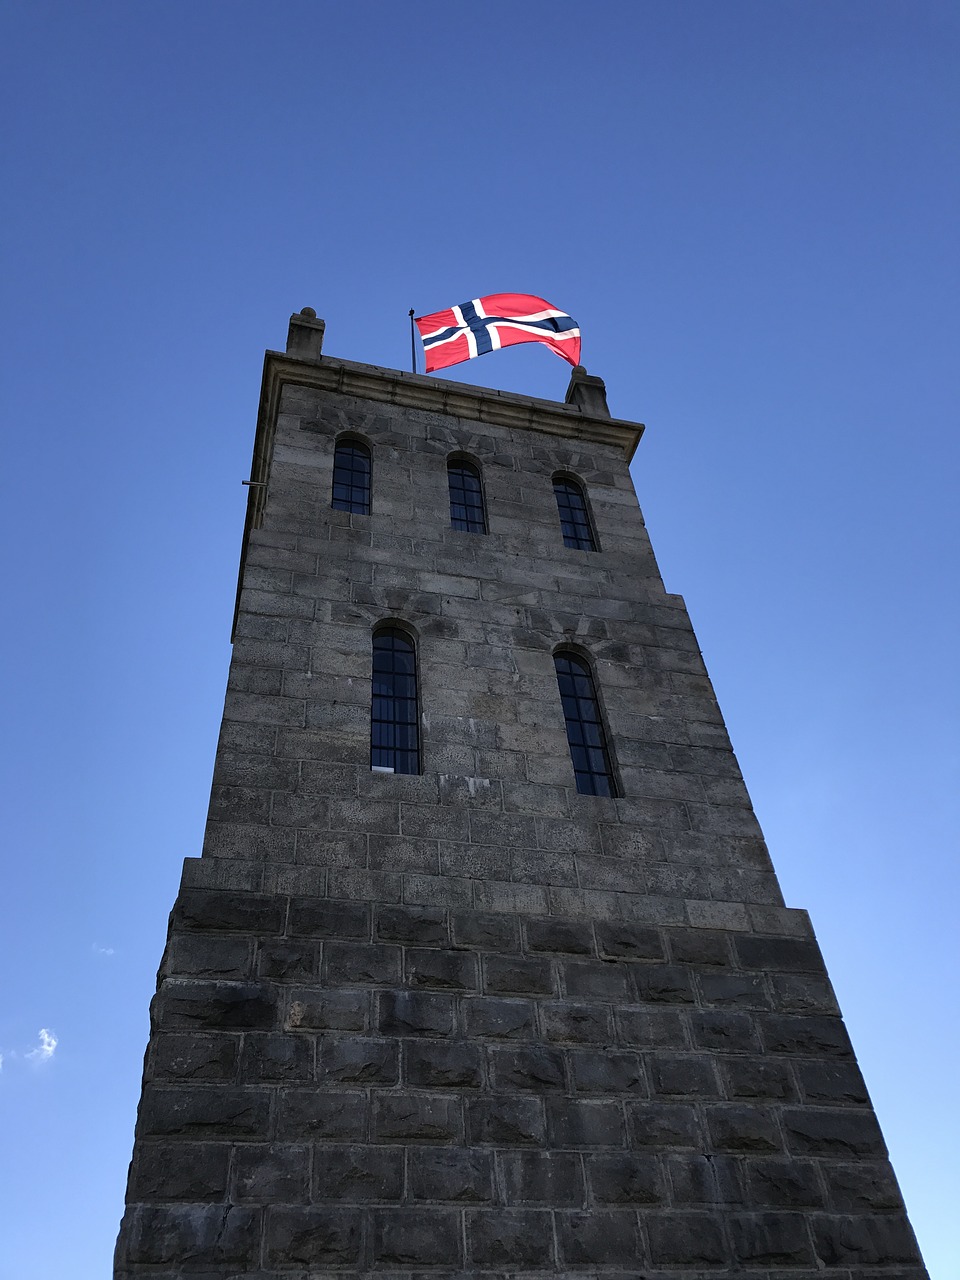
(751, 209)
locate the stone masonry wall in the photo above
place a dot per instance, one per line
(472, 1022)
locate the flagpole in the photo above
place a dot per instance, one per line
(413, 345)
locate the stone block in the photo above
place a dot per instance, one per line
(608, 1071)
(517, 975)
(825, 1082)
(663, 1125)
(624, 1178)
(682, 1075)
(567, 1023)
(541, 1178)
(509, 1238)
(811, 1036)
(651, 1028)
(416, 1237)
(440, 970)
(796, 955)
(724, 1032)
(277, 1058)
(453, 1175)
(833, 1132)
(864, 1241)
(784, 1183)
(415, 1013)
(803, 993)
(361, 964)
(662, 984)
(689, 1238)
(357, 1175)
(313, 1009)
(758, 1078)
(206, 1234)
(441, 1064)
(734, 990)
(321, 1115)
(507, 1121)
(422, 926)
(191, 1171)
(312, 1236)
(764, 1239)
(585, 1123)
(211, 1111)
(188, 1056)
(533, 1068)
(485, 931)
(199, 955)
(356, 1060)
(287, 960)
(255, 913)
(596, 980)
(265, 1174)
(325, 918)
(598, 1238)
(743, 1128)
(416, 1117)
(621, 940)
(572, 937)
(865, 1187)
(498, 1019)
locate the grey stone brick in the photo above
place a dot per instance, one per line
(268, 1174)
(825, 1082)
(198, 955)
(506, 1121)
(192, 1171)
(312, 1009)
(651, 1028)
(206, 1234)
(596, 980)
(324, 918)
(422, 926)
(758, 1078)
(799, 955)
(784, 1183)
(771, 1238)
(440, 1064)
(498, 1019)
(354, 1060)
(327, 1116)
(533, 1068)
(682, 1075)
(277, 1058)
(833, 1133)
(542, 1178)
(624, 1178)
(485, 931)
(662, 1125)
(510, 1238)
(866, 1187)
(287, 960)
(695, 1238)
(213, 1111)
(617, 939)
(743, 1128)
(734, 990)
(813, 1036)
(228, 1006)
(311, 1235)
(859, 1241)
(724, 1032)
(416, 1237)
(699, 947)
(361, 964)
(608, 1071)
(585, 1123)
(440, 970)
(255, 913)
(416, 1118)
(452, 1174)
(567, 1023)
(662, 984)
(415, 1013)
(188, 1056)
(599, 1238)
(569, 936)
(517, 975)
(803, 993)
(357, 1175)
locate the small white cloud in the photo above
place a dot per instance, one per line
(102, 951)
(1, 1061)
(46, 1048)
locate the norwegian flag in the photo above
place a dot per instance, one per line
(499, 320)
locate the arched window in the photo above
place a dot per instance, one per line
(574, 516)
(394, 736)
(588, 743)
(351, 477)
(466, 496)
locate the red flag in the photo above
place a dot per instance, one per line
(499, 320)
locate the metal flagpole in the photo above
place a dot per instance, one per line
(413, 345)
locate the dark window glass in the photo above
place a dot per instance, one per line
(351, 478)
(394, 738)
(574, 520)
(588, 744)
(466, 497)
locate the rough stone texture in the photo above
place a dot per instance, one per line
(472, 1022)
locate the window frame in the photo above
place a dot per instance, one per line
(471, 466)
(395, 630)
(578, 741)
(575, 542)
(361, 448)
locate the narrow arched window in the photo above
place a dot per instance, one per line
(351, 477)
(466, 496)
(394, 736)
(581, 710)
(574, 516)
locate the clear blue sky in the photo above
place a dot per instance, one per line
(750, 207)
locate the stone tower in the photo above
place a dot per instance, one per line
(484, 969)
